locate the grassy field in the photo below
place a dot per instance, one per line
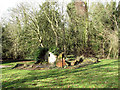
(101, 75)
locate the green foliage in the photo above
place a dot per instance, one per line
(71, 10)
(29, 28)
(6, 44)
(55, 50)
(40, 53)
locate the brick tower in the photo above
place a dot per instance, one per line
(81, 7)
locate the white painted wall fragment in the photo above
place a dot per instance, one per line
(52, 58)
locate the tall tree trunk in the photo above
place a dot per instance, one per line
(56, 41)
(108, 57)
(64, 41)
(103, 52)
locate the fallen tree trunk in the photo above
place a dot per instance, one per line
(82, 65)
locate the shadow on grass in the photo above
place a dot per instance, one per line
(57, 83)
(39, 76)
(41, 88)
(108, 64)
(10, 61)
(55, 77)
(54, 74)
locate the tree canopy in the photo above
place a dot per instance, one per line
(29, 28)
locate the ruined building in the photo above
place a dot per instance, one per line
(81, 7)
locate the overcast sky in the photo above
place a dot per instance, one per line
(6, 4)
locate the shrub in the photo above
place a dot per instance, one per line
(40, 54)
(55, 50)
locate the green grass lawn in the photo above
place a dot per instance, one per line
(101, 75)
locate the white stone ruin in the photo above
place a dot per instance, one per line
(50, 57)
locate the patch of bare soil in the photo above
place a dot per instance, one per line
(33, 66)
(68, 64)
(48, 66)
(3, 66)
(27, 61)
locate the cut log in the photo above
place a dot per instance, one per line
(18, 65)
